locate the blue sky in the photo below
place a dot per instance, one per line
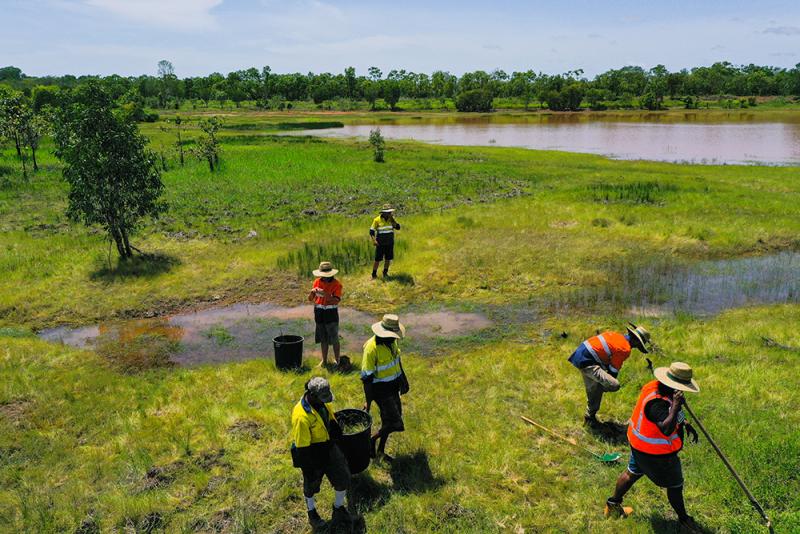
(129, 37)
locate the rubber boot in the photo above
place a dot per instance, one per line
(341, 516)
(688, 524)
(615, 509)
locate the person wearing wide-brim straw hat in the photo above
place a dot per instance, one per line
(599, 359)
(382, 234)
(384, 380)
(656, 433)
(326, 293)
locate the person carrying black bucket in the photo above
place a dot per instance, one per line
(326, 293)
(382, 234)
(384, 380)
(656, 433)
(599, 359)
(314, 450)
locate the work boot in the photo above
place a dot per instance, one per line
(615, 509)
(374, 275)
(386, 274)
(591, 421)
(341, 516)
(315, 520)
(688, 524)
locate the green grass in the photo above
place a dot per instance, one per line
(114, 439)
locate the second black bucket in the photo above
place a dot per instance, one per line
(356, 429)
(288, 351)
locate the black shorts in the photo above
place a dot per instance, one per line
(663, 469)
(384, 251)
(327, 333)
(391, 408)
(335, 468)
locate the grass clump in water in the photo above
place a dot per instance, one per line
(219, 334)
(139, 353)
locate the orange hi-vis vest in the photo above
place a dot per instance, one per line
(643, 434)
(610, 349)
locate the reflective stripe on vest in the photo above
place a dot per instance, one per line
(326, 306)
(593, 352)
(386, 229)
(651, 440)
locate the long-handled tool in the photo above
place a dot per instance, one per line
(722, 457)
(606, 457)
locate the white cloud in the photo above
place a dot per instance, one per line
(186, 15)
(783, 30)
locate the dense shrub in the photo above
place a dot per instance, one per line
(475, 100)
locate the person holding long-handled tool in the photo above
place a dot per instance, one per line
(655, 433)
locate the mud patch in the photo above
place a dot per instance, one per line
(246, 429)
(15, 411)
(245, 331)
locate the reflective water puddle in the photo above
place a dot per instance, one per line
(245, 331)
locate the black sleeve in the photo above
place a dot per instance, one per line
(369, 394)
(372, 232)
(657, 410)
(397, 226)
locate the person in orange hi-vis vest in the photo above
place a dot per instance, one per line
(656, 433)
(599, 360)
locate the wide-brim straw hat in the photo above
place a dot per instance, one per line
(387, 208)
(325, 270)
(677, 376)
(639, 336)
(389, 326)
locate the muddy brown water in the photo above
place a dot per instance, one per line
(245, 331)
(691, 137)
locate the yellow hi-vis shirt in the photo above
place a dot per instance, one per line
(380, 361)
(383, 227)
(308, 426)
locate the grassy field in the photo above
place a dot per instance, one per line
(520, 235)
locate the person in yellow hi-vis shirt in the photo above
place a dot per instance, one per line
(384, 380)
(314, 450)
(382, 234)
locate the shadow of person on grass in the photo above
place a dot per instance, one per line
(139, 266)
(612, 432)
(665, 524)
(404, 279)
(411, 473)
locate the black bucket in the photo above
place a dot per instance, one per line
(355, 443)
(288, 351)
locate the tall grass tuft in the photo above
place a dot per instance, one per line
(347, 255)
(632, 193)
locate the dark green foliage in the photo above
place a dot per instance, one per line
(567, 99)
(378, 144)
(113, 178)
(631, 193)
(207, 146)
(479, 100)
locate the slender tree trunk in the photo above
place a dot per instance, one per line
(210, 163)
(117, 241)
(35, 165)
(128, 251)
(16, 143)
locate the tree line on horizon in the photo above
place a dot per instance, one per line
(626, 87)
